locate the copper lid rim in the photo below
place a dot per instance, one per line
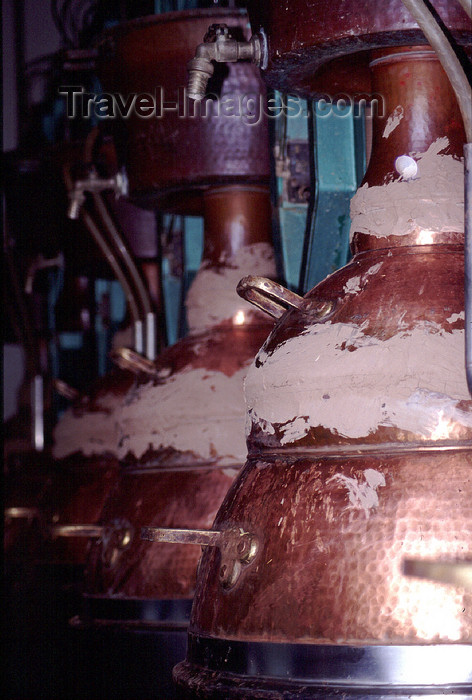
(169, 17)
(403, 53)
(443, 248)
(156, 468)
(187, 198)
(359, 450)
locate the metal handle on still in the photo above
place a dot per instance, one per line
(116, 537)
(275, 300)
(238, 548)
(455, 572)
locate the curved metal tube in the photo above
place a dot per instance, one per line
(148, 317)
(132, 361)
(463, 92)
(133, 271)
(111, 259)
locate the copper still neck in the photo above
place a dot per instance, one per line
(237, 241)
(414, 181)
(234, 217)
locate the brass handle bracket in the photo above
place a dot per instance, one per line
(238, 548)
(115, 537)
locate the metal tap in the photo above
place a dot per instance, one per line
(220, 47)
(95, 184)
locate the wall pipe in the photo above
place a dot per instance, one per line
(107, 252)
(142, 293)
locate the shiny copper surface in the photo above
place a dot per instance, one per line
(234, 216)
(329, 570)
(168, 488)
(410, 79)
(391, 303)
(183, 152)
(169, 498)
(324, 48)
(79, 483)
(337, 514)
(75, 496)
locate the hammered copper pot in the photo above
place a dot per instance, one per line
(360, 446)
(172, 157)
(324, 48)
(179, 431)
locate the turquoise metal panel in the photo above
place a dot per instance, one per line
(290, 124)
(175, 287)
(314, 238)
(172, 291)
(339, 149)
(193, 242)
(176, 5)
(72, 340)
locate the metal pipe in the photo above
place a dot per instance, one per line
(89, 531)
(151, 335)
(148, 316)
(142, 292)
(468, 260)
(205, 538)
(37, 403)
(456, 573)
(463, 91)
(447, 57)
(111, 259)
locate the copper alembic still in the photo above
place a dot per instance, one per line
(179, 431)
(339, 562)
(278, 505)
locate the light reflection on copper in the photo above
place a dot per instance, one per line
(239, 318)
(425, 237)
(444, 428)
(436, 606)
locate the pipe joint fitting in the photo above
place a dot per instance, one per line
(94, 184)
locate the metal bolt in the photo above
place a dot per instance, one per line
(321, 309)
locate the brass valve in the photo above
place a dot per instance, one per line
(220, 47)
